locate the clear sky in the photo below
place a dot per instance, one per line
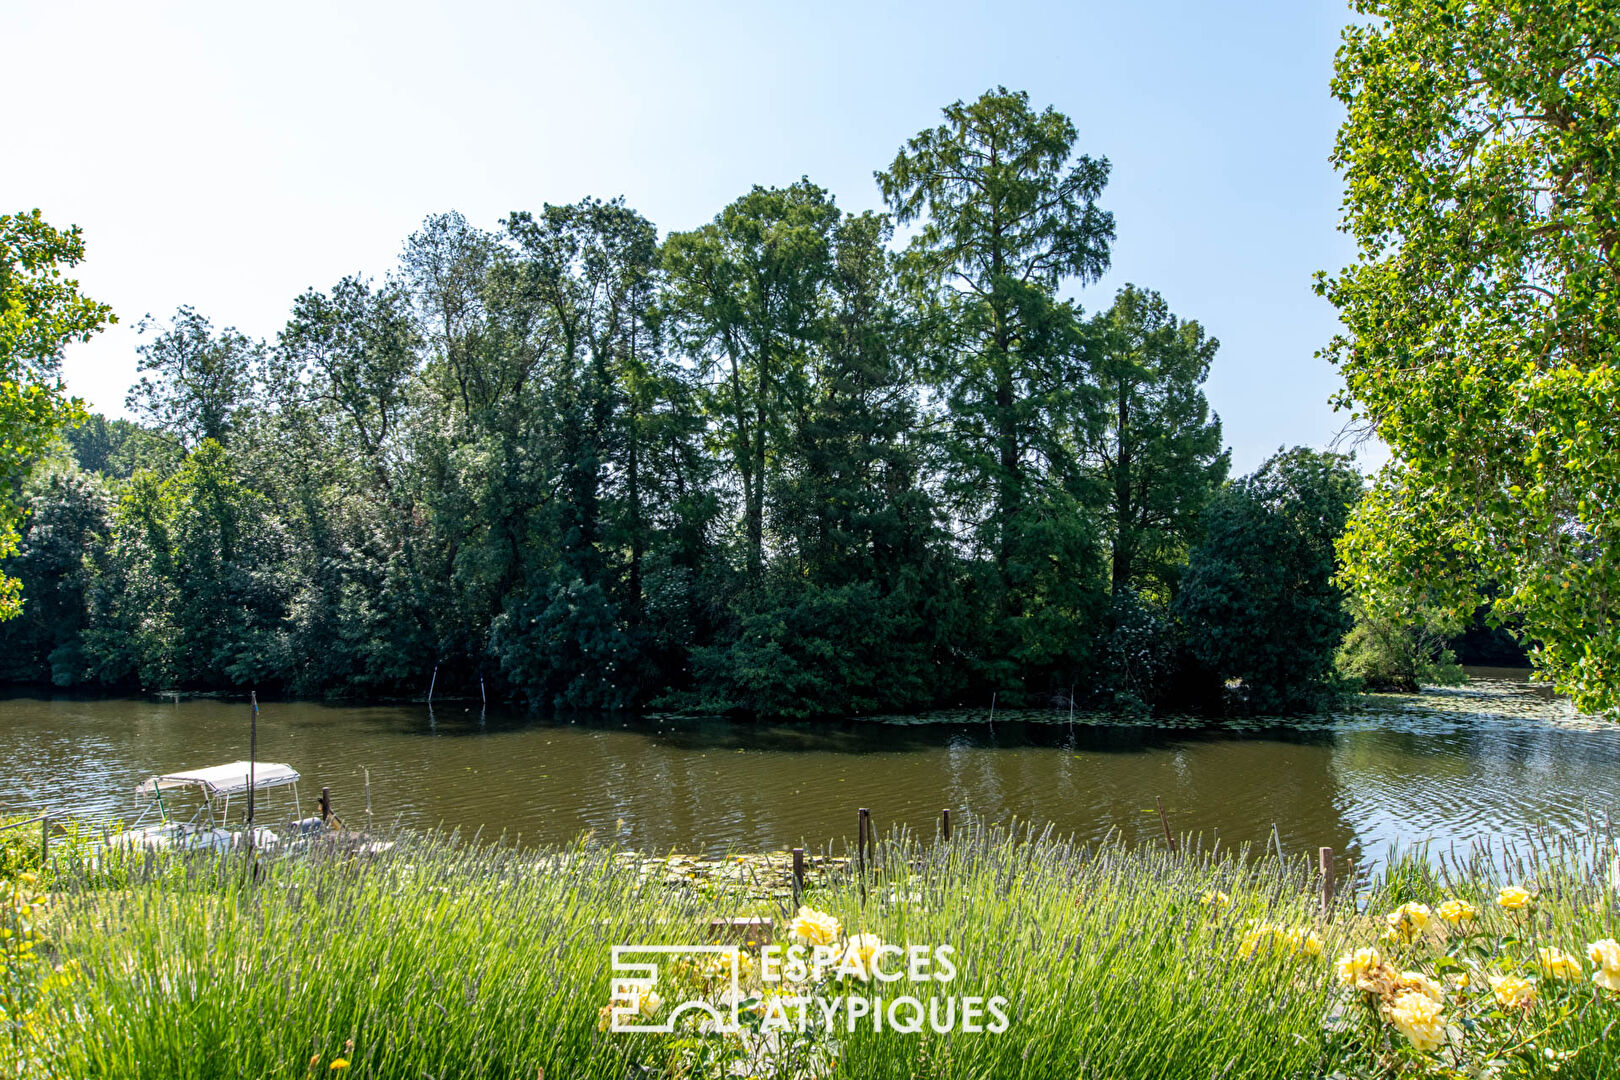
(229, 156)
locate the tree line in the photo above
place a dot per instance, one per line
(777, 465)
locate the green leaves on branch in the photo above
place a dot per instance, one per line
(40, 312)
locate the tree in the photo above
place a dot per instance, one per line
(744, 298)
(1482, 318)
(1008, 215)
(194, 383)
(67, 520)
(1156, 448)
(40, 312)
(1259, 602)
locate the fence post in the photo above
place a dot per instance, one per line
(798, 873)
(1324, 859)
(945, 824)
(1164, 819)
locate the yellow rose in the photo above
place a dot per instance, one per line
(1514, 991)
(1420, 983)
(862, 947)
(1408, 921)
(815, 927)
(1606, 955)
(1557, 964)
(1353, 965)
(1513, 897)
(1456, 912)
(1420, 1018)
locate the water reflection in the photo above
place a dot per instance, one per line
(1452, 767)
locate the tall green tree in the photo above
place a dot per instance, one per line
(744, 298)
(195, 383)
(1156, 446)
(40, 312)
(1482, 318)
(1007, 214)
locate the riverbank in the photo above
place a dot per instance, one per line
(454, 960)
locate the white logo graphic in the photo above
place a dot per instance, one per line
(633, 988)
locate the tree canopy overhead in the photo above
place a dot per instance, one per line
(1481, 154)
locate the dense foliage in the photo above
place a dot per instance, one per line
(775, 465)
(1482, 156)
(40, 311)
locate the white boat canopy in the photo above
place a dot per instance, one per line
(229, 779)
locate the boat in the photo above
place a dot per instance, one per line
(193, 809)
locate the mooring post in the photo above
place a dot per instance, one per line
(1324, 859)
(326, 803)
(44, 842)
(798, 873)
(1164, 819)
(945, 824)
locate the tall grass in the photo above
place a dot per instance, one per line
(446, 959)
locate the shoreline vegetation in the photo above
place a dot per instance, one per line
(455, 959)
(777, 466)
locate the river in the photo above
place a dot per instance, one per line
(1487, 760)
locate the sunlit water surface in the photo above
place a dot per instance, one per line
(1489, 760)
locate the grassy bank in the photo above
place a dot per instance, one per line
(442, 959)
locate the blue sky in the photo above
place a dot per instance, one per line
(230, 155)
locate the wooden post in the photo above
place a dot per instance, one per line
(1164, 819)
(326, 803)
(945, 824)
(44, 842)
(253, 756)
(798, 873)
(863, 825)
(1324, 859)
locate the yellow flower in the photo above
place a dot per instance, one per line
(864, 946)
(1456, 912)
(1606, 955)
(1513, 897)
(1514, 991)
(1416, 981)
(1408, 921)
(1557, 964)
(1216, 899)
(338, 1063)
(815, 927)
(1353, 965)
(1420, 1018)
